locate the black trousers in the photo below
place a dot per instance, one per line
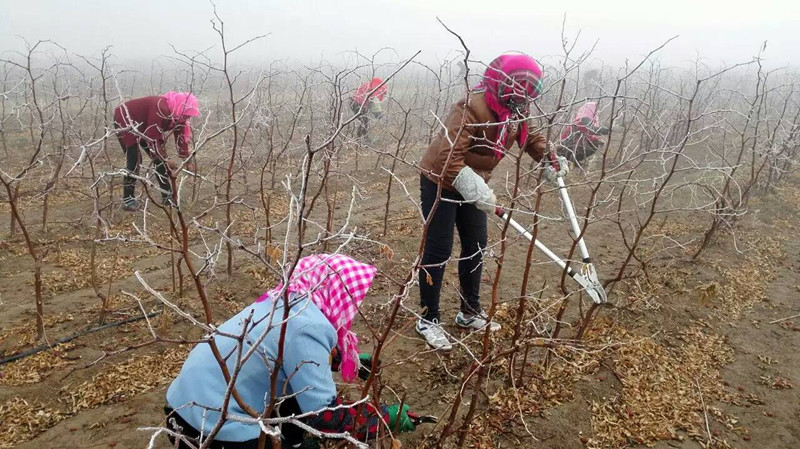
(363, 120)
(472, 230)
(577, 147)
(291, 434)
(133, 157)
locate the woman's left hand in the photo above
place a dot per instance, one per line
(365, 365)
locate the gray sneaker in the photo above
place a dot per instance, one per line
(434, 335)
(130, 204)
(476, 322)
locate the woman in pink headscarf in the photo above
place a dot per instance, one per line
(144, 123)
(480, 130)
(324, 294)
(581, 139)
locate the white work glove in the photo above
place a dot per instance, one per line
(551, 174)
(475, 190)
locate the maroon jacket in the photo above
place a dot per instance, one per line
(151, 117)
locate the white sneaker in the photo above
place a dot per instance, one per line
(434, 335)
(476, 322)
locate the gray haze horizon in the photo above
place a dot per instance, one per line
(308, 31)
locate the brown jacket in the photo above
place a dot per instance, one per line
(473, 147)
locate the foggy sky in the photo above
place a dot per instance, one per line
(308, 30)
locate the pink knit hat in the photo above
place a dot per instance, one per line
(182, 104)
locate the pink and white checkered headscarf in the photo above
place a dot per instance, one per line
(338, 285)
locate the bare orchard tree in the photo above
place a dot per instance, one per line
(36, 112)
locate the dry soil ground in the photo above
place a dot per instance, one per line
(694, 355)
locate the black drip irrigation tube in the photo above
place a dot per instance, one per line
(62, 340)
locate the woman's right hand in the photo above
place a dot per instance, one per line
(174, 166)
(475, 190)
(395, 413)
(365, 365)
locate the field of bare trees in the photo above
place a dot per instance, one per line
(690, 213)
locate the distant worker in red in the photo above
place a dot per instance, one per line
(581, 139)
(145, 123)
(372, 106)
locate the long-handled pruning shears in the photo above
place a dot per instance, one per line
(586, 277)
